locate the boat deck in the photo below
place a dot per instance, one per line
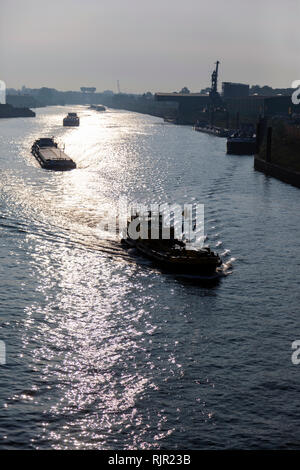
(50, 156)
(53, 153)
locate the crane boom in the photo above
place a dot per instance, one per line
(214, 79)
(216, 100)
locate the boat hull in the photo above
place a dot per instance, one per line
(202, 265)
(52, 158)
(241, 146)
(69, 123)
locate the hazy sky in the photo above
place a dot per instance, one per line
(156, 45)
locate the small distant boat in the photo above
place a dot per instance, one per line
(241, 145)
(171, 120)
(98, 107)
(71, 120)
(50, 157)
(174, 255)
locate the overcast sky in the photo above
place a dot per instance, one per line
(156, 45)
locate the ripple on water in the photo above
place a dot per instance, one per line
(106, 352)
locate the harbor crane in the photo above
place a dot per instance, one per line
(216, 100)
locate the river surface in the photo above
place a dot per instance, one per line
(105, 351)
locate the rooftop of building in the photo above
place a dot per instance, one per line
(185, 95)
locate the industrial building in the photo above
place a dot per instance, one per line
(254, 106)
(235, 103)
(189, 106)
(234, 90)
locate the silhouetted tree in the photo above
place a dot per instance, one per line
(185, 90)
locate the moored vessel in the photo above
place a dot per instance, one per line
(241, 145)
(212, 130)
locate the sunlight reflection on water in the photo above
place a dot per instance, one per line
(107, 351)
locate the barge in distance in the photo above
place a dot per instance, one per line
(98, 107)
(51, 157)
(71, 120)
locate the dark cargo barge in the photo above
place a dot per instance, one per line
(171, 253)
(71, 120)
(50, 157)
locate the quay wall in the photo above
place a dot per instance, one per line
(283, 174)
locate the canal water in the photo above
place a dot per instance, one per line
(104, 351)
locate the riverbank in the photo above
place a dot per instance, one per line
(8, 111)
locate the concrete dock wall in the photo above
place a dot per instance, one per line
(283, 174)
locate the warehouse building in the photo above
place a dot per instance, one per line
(234, 90)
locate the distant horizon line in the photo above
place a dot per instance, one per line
(141, 92)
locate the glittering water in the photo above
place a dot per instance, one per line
(106, 352)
